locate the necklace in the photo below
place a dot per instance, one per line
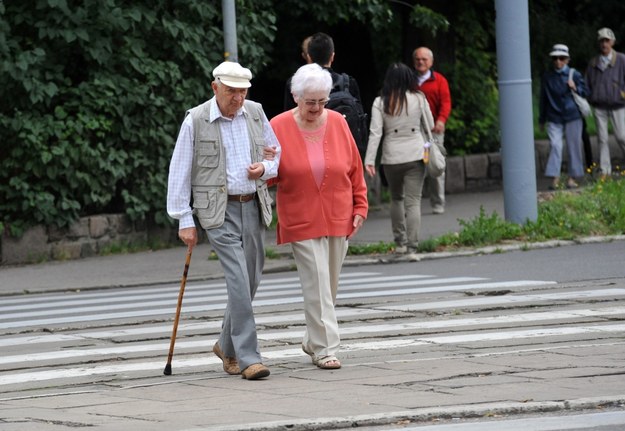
(309, 125)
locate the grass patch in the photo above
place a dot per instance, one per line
(379, 248)
(598, 209)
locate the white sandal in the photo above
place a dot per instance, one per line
(326, 363)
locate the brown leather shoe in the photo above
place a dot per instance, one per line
(255, 371)
(231, 365)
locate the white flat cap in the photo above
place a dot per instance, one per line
(559, 50)
(605, 33)
(233, 75)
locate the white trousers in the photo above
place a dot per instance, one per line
(617, 117)
(436, 186)
(319, 263)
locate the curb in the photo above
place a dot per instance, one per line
(491, 249)
(419, 416)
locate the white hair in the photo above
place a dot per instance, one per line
(311, 78)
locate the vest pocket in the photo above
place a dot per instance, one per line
(207, 153)
(201, 204)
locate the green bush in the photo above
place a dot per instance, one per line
(594, 210)
(473, 126)
(93, 94)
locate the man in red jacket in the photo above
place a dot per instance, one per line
(436, 90)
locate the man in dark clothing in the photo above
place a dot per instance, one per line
(605, 77)
(345, 93)
(320, 50)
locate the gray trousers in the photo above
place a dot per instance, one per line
(405, 182)
(240, 246)
(573, 133)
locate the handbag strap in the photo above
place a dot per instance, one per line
(424, 120)
(571, 72)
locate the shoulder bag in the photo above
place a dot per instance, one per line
(435, 163)
(581, 102)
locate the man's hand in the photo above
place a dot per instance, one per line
(439, 127)
(370, 170)
(255, 171)
(188, 236)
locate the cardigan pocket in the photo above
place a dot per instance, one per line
(342, 203)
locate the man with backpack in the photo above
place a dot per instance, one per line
(345, 93)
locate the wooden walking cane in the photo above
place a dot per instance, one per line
(167, 370)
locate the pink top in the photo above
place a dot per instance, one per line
(314, 147)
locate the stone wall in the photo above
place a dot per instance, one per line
(87, 237)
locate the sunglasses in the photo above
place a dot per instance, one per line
(562, 58)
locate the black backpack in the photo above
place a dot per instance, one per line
(343, 102)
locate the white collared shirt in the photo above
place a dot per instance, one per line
(424, 77)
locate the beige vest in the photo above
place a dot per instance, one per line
(208, 174)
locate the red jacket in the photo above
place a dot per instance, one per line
(306, 211)
(436, 90)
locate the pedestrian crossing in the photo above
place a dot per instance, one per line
(88, 307)
(119, 333)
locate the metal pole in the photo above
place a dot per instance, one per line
(230, 30)
(515, 111)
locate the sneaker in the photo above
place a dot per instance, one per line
(438, 209)
(401, 249)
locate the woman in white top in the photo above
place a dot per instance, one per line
(396, 115)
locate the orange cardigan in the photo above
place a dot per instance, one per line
(306, 211)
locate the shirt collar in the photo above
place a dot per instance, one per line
(607, 58)
(427, 75)
(215, 113)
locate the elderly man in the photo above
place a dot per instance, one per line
(218, 160)
(436, 90)
(605, 77)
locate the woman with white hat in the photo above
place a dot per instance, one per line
(559, 112)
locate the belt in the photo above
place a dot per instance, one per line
(242, 198)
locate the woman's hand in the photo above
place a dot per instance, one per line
(370, 170)
(269, 153)
(357, 224)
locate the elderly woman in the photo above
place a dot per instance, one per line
(558, 110)
(397, 114)
(321, 202)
